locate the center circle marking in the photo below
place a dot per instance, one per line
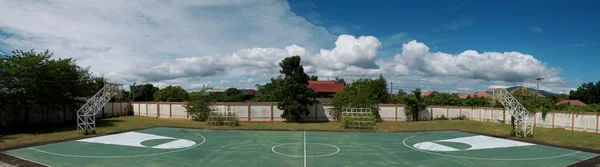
(299, 156)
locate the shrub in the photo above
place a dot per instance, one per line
(462, 117)
(443, 117)
(199, 109)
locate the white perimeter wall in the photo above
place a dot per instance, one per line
(267, 111)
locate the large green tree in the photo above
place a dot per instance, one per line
(230, 95)
(588, 93)
(144, 92)
(171, 94)
(270, 92)
(414, 104)
(200, 105)
(354, 95)
(32, 83)
(296, 95)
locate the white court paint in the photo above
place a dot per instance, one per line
(476, 142)
(135, 139)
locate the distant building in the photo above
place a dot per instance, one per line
(325, 89)
(464, 96)
(430, 92)
(482, 94)
(250, 93)
(571, 103)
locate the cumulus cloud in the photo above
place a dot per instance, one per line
(158, 40)
(350, 52)
(503, 66)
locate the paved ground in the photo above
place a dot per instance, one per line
(193, 147)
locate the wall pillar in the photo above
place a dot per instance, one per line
(396, 113)
(534, 118)
(572, 121)
(447, 113)
(157, 110)
(249, 112)
(271, 110)
(552, 119)
(316, 111)
(146, 109)
(170, 110)
(504, 115)
(112, 109)
(597, 117)
(430, 113)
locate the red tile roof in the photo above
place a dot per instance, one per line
(325, 86)
(430, 92)
(571, 102)
(464, 96)
(482, 94)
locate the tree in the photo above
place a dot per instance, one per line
(32, 83)
(379, 88)
(340, 80)
(171, 94)
(414, 104)
(230, 95)
(200, 105)
(349, 97)
(314, 78)
(144, 92)
(270, 92)
(588, 93)
(296, 95)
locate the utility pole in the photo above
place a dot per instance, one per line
(391, 91)
(133, 93)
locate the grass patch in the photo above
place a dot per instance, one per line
(544, 135)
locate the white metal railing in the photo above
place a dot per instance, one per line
(86, 115)
(523, 118)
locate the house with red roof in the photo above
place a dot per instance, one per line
(430, 92)
(571, 103)
(325, 89)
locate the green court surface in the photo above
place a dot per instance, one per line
(195, 147)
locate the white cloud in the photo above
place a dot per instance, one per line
(158, 40)
(536, 29)
(196, 43)
(350, 52)
(507, 66)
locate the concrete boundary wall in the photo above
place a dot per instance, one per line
(268, 111)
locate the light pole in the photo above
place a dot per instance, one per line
(537, 90)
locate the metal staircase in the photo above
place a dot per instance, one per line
(523, 118)
(86, 115)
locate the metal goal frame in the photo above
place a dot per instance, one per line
(223, 115)
(358, 118)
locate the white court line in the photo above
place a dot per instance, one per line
(304, 148)
(476, 158)
(125, 156)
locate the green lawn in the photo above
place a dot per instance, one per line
(559, 137)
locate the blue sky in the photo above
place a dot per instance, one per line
(562, 34)
(451, 46)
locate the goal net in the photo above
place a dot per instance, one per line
(223, 115)
(358, 118)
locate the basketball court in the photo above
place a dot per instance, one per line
(196, 147)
